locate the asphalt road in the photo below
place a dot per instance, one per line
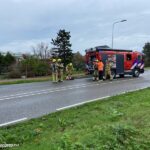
(26, 101)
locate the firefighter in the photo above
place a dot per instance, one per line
(54, 67)
(60, 70)
(108, 70)
(100, 69)
(96, 74)
(69, 70)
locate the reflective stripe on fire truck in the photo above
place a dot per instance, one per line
(134, 65)
(142, 66)
(139, 64)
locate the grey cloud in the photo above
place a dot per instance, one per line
(90, 22)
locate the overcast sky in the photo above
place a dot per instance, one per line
(25, 23)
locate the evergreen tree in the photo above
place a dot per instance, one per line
(63, 46)
(1, 63)
(146, 51)
(9, 59)
(6, 61)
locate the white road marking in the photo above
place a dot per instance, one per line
(74, 105)
(42, 90)
(100, 98)
(46, 91)
(138, 89)
(103, 83)
(12, 122)
(79, 104)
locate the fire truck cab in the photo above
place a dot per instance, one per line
(123, 61)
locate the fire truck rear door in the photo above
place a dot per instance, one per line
(104, 58)
(119, 64)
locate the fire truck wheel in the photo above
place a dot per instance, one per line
(121, 75)
(136, 73)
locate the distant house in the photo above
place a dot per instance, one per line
(3, 53)
(18, 56)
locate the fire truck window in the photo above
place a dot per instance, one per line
(139, 57)
(92, 58)
(129, 57)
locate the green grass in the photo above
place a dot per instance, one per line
(19, 81)
(117, 123)
(147, 68)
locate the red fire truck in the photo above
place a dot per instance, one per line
(123, 61)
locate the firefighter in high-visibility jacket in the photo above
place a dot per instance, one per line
(100, 69)
(54, 68)
(108, 70)
(69, 70)
(60, 70)
(96, 73)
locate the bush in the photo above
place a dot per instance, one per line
(32, 67)
(79, 61)
(41, 69)
(14, 74)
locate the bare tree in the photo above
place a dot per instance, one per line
(41, 51)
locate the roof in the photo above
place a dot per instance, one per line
(106, 48)
(103, 46)
(116, 50)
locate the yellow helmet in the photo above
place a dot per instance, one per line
(59, 60)
(70, 64)
(54, 60)
(96, 60)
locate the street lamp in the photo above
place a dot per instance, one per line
(113, 29)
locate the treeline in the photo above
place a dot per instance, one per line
(146, 51)
(6, 62)
(32, 66)
(38, 64)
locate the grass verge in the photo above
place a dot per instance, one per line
(120, 122)
(37, 79)
(147, 68)
(28, 80)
